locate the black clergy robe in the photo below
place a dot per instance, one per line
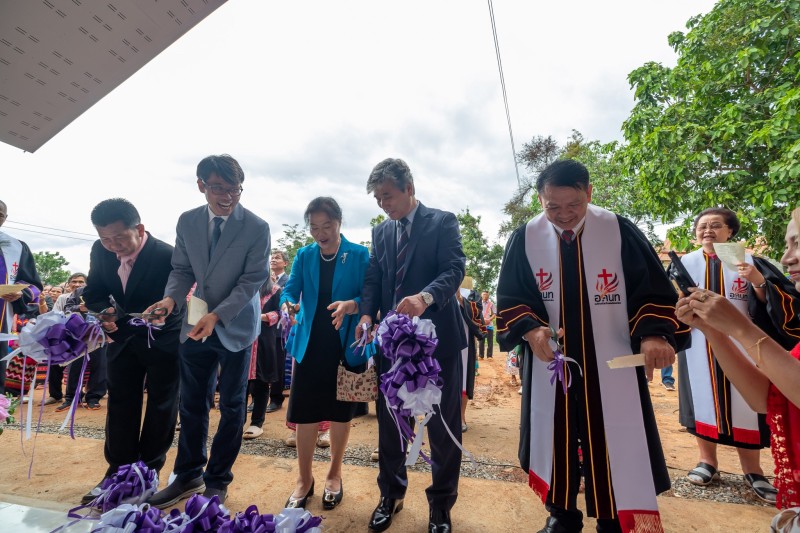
(779, 316)
(578, 415)
(22, 270)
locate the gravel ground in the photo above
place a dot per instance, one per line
(358, 455)
(730, 489)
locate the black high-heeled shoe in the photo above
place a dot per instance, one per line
(331, 499)
(293, 502)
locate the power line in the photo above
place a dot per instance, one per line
(48, 227)
(503, 87)
(52, 234)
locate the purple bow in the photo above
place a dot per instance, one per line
(63, 343)
(132, 483)
(558, 367)
(204, 514)
(249, 521)
(150, 327)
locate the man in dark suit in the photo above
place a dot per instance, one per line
(222, 248)
(416, 266)
(132, 267)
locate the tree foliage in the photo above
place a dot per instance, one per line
(50, 267)
(723, 126)
(612, 188)
(294, 237)
(483, 258)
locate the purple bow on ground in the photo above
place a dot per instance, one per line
(150, 327)
(204, 515)
(132, 484)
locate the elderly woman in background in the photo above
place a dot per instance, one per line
(710, 408)
(771, 386)
(326, 280)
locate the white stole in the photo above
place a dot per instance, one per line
(12, 252)
(743, 418)
(626, 440)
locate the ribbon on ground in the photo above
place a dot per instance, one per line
(132, 484)
(128, 518)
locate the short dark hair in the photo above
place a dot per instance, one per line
(563, 173)
(394, 170)
(115, 210)
(283, 254)
(731, 220)
(76, 275)
(323, 204)
(224, 166)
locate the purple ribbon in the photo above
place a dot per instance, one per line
(558, 367)
(63, 343)
(284, 325)
(250, 521)
(204, 514)
(132, 483)
(138, 322)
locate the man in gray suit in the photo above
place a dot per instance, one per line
(224, 249)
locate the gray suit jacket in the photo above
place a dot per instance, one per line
(228, 281)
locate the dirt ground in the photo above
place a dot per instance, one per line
(64, 469)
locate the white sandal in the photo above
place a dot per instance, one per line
(252, 432)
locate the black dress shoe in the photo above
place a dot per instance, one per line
(92, 494)
(554, 526)
(176, 492)
(331, 499)
(382, 515)
(293, 502)
(272, 407)
(222, 494)
(439, 521)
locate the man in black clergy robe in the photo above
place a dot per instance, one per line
(132, 266)
(16, 267)
(564, 192)
(415, 266)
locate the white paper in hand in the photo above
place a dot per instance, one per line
(198, 308)
(730, 253)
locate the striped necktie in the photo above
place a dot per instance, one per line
(568, 235)
(402, 248)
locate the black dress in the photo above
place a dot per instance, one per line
(313, 395)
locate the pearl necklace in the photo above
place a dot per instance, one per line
(334, 255)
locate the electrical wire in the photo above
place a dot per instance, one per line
(48, 227)
(52, 234)
(503, 87)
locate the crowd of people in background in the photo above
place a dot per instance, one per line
(223, 321)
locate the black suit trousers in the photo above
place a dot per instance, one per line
(446, 456)
(128, 438)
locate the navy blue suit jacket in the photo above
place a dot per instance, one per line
(435, 263)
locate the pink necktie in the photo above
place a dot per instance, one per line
(124, 271)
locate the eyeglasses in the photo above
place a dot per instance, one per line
(219, 190)
(715, 226)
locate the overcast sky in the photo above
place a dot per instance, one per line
(310, 95)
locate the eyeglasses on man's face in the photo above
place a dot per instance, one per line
(219, 190)
(716, 226)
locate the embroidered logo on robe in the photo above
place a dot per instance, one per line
(545, 281)
(738, 289)
(606, 287)
(14, 270)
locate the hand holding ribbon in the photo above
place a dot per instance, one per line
(558, 366)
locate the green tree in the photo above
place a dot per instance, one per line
(723, 126)
(372, 223)
(483, 258)
(611, 187)
(50, 267)
(294, 237)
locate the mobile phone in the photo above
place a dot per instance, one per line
(679, 273)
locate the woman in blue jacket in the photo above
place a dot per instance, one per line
(326, 280)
